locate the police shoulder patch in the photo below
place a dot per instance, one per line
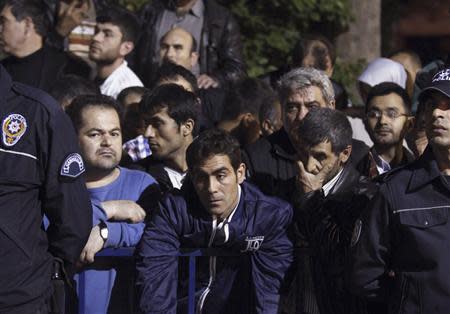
(13, 128)
(356, 232)
(72, 166)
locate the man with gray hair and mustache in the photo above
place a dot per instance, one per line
(271, 161)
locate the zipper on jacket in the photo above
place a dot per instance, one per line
(212, 270)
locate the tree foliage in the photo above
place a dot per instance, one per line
(270, 28)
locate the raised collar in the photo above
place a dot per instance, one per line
(346, 182)
(5, 84)
(426, 170)
(328, 187)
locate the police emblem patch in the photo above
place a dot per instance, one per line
(14, 127)
(72, 166)
(356, 232)
(253, 243)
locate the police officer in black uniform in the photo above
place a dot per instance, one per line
(401, 244)
(40, 175)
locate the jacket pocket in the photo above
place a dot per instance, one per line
(424, 218)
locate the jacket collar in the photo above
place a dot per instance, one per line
(5, 84)
(281, 145)
(346, 182)
(426, 170)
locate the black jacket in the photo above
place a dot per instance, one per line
(271, 162)
(406, 230)
(323, 228)
(155, 168)
(51, 66)
(220, 44)
(41, 174)
(367, 165)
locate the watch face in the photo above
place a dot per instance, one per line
(104, 233)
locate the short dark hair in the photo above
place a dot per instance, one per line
(70, 86)
(387, 88)
(304, 44)
(181, 105)
(172, 71)
(75, 109)
(268, 110)
(324, 124)
(34, 9)
(140, 90)
(246, 96)
(122, 18)
(210, 143)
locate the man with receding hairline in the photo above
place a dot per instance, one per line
(178, 46)
(212, 26)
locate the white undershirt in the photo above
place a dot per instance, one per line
(330, 184)
(176, 178)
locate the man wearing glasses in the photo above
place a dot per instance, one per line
(400, 246)
(387, 122)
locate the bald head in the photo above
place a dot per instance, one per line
(178, 46)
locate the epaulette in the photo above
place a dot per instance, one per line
(35, 94)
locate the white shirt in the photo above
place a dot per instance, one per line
(330, 184)
(121, 78)
(176, 178)
(224, 223)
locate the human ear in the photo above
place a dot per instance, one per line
(240, 173)
(187, 127)
(345, 154)
(126, 47)
(194, 59)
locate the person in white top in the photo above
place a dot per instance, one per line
(114, 38)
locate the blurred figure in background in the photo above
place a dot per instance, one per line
(240, 115)
(270, 114)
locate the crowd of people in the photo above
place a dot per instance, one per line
(150, 135)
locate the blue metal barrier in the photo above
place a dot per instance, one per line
(129, 252)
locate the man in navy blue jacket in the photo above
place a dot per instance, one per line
(241, 230)
(400, 246)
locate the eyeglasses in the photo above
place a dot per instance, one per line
(391, 114)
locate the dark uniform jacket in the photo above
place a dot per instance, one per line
(271, 162)
(220, 44)
(40, 174)
(406, 230)
(323, 229)
(246, 270)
